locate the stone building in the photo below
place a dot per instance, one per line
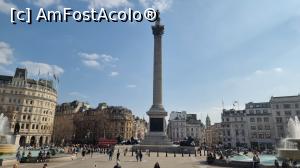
(29, 105)
(213, 135)
(234, 128)
(103, 122)
(260, 125)
(140, 128)
(182, 125)
(63, 131)
(282, 109)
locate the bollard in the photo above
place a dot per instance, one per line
(131, 152)
(166, 154)
(195, 153)
(189, 153)
(174, 154)
(149, 153)
(157, 154)
(200, 153)
(182, 154)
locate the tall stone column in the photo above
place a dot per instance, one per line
(157, 31)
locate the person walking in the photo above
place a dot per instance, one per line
(156, 165)
(45, 165)
(141, 155)
(110, 154)
(137, 155)
(118, 155)
(276, 164)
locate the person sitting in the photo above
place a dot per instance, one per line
(117, 165)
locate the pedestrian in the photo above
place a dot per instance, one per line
(110, 154)
(117, 165)
(92, 152)
(276, 164)
(118, 155)
(137, 155)
(45, 165)
(294, 164)
(156, 165)
(18, 156)
(141, 155)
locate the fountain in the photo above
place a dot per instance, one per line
(6, 144)
(291, 144)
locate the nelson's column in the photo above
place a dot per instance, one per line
(156, 139)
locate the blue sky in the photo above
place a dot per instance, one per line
(213, 49)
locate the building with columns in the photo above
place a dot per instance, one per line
(29, 105)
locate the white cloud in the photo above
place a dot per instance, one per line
(131, 86)
(44, 3)
(268, 71)
(114, 73)
(107, 3)
(42, 69)
(6, 53)
(97, 61)
(5, 6)
(161, 5)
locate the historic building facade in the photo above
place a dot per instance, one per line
(260, 125)
(282, 109)
(140, 128)
(213, 135)
(63, 131)
(108, 122)
(234, 128)
(182, 125)
(29, 105)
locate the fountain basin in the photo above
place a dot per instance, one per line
(6, 149)
(288, 154)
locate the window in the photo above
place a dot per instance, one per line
(253, 127)
(261, 136)
(278, 119)
(278, 113)
(297, 105)
(287, 106)
(267, 127)
(251, 111)
(257, 111)
(265, 111)
(259, 127)
(266, 119)
(259, 119)
(288, 113)
(252, 119)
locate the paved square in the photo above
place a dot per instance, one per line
(101, 161)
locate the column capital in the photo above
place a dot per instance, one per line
(158, 30)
